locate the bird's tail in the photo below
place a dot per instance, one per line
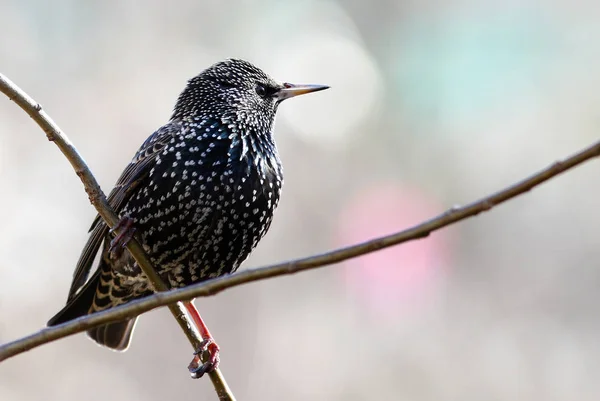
(115, 335)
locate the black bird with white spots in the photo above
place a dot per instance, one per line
(199, 195)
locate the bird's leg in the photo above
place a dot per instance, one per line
(120, 241)
(196, 367)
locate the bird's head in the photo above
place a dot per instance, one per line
(237, 91)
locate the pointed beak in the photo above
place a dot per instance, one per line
(291, 90)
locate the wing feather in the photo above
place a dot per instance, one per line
(134, 174)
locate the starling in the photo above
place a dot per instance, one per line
(199, 195)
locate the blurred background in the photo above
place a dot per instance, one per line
(433, 103)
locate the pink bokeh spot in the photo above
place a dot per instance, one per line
(390, 279)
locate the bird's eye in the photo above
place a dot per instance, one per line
(261, 90)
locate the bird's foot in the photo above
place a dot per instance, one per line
(119, 242)
(196, 367)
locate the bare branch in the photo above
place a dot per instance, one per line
(207, 288)
(99, 201)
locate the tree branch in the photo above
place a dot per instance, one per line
(211, 287)
(99, 201)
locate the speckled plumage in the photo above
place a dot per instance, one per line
(201, 192)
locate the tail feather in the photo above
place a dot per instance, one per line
(80, 304)
(114, 335)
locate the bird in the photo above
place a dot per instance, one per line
(199, 195)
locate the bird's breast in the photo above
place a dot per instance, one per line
(215, 202)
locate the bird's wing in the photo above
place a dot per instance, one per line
(134, 174)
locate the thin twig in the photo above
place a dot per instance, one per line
(207, 288)
(99, 201)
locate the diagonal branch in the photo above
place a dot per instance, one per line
(99, 201)
(207, 288)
